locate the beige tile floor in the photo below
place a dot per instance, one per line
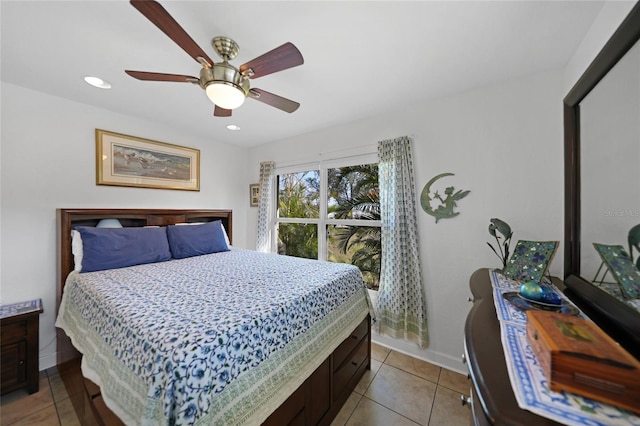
(399, 390)
(50, 406)
(402, 390)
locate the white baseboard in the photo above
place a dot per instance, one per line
(411, 349)
(47, 361)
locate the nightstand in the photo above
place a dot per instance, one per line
(19, 327)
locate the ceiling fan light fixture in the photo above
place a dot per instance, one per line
(224, 84)
(225, 95)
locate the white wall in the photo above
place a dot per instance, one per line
(610, 17)
(504, 144)
(48, 162)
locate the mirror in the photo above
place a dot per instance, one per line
(610, 167)
(600, 169)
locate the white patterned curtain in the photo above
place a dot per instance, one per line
(263, 240)
(402, 307)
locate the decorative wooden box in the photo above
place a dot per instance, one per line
(577, 356)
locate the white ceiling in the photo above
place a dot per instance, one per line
(361, 58)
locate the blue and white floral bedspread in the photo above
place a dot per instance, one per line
(178, 333)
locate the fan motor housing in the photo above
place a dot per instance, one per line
(224, 73)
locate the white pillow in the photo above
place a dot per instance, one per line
(76, 250)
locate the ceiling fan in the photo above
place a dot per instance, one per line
(226, 85)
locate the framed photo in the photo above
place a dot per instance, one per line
(123, 160)
(254, 194)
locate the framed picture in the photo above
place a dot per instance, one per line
(254, 194)
(124, 160)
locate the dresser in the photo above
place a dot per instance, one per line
(493, 401)
(19, 327)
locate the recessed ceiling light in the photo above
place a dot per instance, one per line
(233, 127)
(97, 82)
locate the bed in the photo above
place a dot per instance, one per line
(233, 337)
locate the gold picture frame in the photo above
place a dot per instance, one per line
(124, 160)
(254, 194)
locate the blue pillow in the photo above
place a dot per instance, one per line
(111, 248)
(187, 241)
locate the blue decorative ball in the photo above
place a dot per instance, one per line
(533, 291)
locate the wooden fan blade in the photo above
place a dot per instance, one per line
(278, 59)
(221, 112)
(158, 15)
(156, 76)
(279, 102)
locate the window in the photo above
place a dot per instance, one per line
(299, 213)
(332, 212)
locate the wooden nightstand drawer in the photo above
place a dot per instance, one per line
(14, 331)
(19, 327)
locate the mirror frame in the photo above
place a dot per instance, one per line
(622, 40)
(619, 320)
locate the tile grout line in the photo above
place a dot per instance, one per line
(53, 397)
(433, 404)
(353, 411)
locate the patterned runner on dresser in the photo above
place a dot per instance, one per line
(527, 377)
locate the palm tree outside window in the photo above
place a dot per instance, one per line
(332, 212)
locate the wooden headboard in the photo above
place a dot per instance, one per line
(67, 219)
